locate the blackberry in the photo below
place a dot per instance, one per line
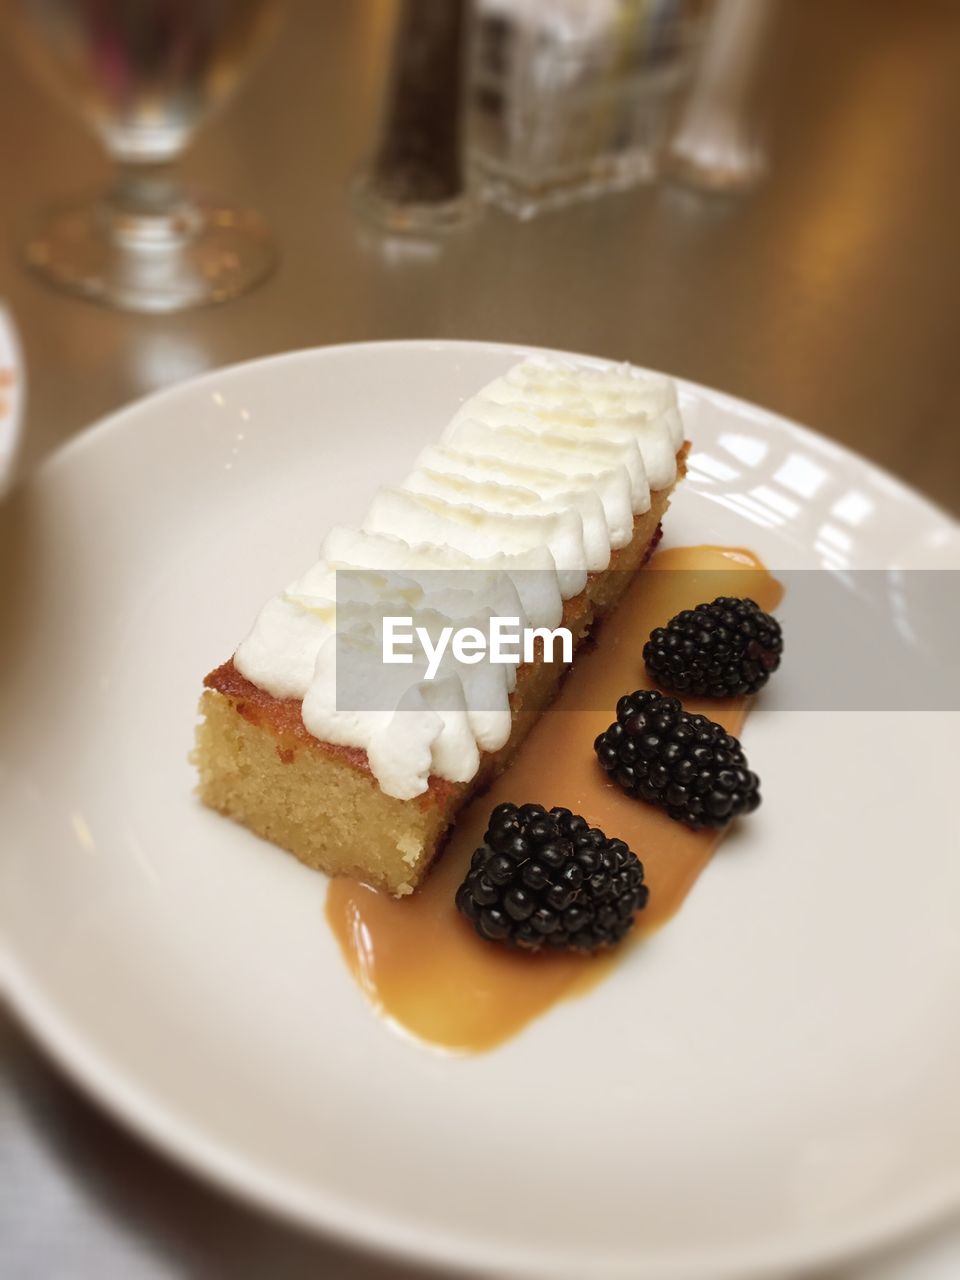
(550, 880)
(716, 650)
(688, 765)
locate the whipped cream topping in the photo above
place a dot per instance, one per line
(532, 573)
(614, 403)
(447, 473)
(477, 527)
(614, 471)
(536, 480)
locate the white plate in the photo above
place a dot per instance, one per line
(11, 397)
(769, 1081)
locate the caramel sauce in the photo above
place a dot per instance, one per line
(418, 960)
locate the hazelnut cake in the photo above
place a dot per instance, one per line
(542, 500)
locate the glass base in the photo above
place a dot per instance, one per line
(205, 253)
(525, 197)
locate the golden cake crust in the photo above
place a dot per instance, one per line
(282, 719)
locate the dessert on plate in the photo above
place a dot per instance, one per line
(542, 499)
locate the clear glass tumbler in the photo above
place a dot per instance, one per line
(144, 74)
(570, 99)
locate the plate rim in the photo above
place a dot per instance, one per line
(91, 434)
(139, 1110)
(212, 1162)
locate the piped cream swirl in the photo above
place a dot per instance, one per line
(534, 483)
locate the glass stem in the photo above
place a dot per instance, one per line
(148, 208)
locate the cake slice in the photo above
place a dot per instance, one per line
(544, 497)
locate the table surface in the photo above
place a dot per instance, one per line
(830, 294)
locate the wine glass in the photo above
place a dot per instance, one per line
(144, 74)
